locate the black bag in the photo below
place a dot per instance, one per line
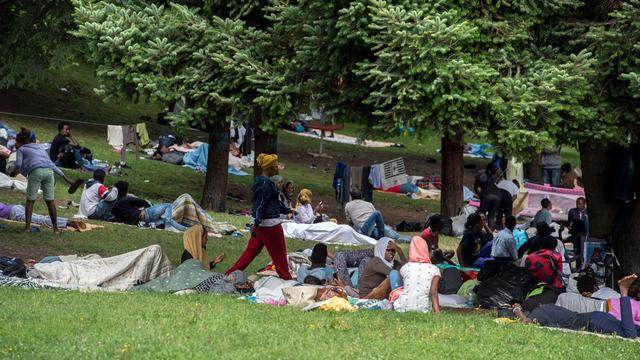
(12, 267)
(408, 226)
(450, 281)
(503, 284)
(496, 293)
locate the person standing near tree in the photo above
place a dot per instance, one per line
(550, 163)
(33, 162)
(266, 228)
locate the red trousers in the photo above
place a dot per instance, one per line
(273, 239)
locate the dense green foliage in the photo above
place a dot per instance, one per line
(33, 39)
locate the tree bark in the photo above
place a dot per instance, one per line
(452, 174)
(610, 219)
(532, 170)
(265, 142)
(214, 193)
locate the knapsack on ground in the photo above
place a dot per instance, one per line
(12, 267)
(450, 281)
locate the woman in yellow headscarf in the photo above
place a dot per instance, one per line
(195, 247)
(266, 230)
(305, 214)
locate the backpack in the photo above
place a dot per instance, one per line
(12, 267)
(450, 281)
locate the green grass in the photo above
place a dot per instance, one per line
(55, 324)
(58, 324)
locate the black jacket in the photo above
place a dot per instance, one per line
(266, 204)
(126, 209)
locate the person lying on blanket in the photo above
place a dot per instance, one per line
(601, 322)
(381, 273)
(163, 153)
(587, 286)
(18, 213)
(132, 210)
(317, 273)
(367, 220)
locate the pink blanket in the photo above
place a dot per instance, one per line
(562, 199)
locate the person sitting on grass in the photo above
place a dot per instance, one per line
(420, 280)
(318, 268)
(367, 220)
(535, 243)
(475, 237)
(431, 234)
(195, 247)
(552, 315)
(266, 228)
(97, 200)
(543, 215)
(286, 195)
(546, 264)
(305, 213)
(381, 275)
(65, 151)
(504, 244)
(18, 213)
(33, 162)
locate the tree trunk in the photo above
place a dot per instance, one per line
(265, 142)
(610, 219)
(214, 193)
(452, 174)
(532, 169)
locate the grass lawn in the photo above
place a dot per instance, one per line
(55, 324)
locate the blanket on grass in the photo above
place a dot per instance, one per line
(114, 273)
(326, 232)
(197, 160)
(186, 276)
(19, 182)
(188, 212)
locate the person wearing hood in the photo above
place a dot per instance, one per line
(266, 228)
(286, 196)
(195, 247)
(377, 279)
(32, 161)
(420, 279)
(305, 213)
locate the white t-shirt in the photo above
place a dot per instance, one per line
(416, 278)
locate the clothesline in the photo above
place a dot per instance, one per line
(73, 121)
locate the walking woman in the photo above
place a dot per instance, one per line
(33, 161)
(266, 230)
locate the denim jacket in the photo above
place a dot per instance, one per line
(266, 203)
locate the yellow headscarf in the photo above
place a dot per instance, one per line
(304, 197)
(193, 242)
(266, 161)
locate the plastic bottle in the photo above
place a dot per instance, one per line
(470, 301)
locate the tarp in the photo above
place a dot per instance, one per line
(116, 273)
(326, 232)
(562, 199)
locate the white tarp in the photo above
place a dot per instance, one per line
(326, 232)
(115, 273)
